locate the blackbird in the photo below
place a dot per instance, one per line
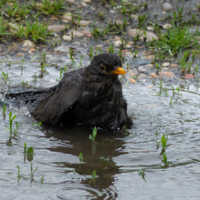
(91, 96)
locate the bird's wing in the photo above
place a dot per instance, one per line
(50, 107)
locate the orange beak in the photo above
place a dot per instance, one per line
(118, 70)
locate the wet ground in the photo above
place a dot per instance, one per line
(56, 169)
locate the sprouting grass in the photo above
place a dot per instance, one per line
(17, 11)
(175, 39)
(94, 134)
(48, 7)
(142, 19)
(141, 171)
(42, 178)
(80, 157)
(165, 159)
(11, 119)
(111, 48)
(4, 108)
(4, 76)
(18, 173)
(71, 53)
(2, 28)
(37, 31)
(2, 3)
(28, 150)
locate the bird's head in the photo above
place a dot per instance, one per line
(106, 65)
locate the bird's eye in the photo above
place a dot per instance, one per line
(102, 67)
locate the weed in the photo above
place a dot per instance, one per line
(171, 102)
(2, 27)
(37, 31)
(80, 157)
(11, 119)
(111, 48)
(141, 172)
(33, 171)
(37, 125)
(91, 53)
(94, 134)
(2, 3)
(94, 175)
(4, 108)
(42, 178)
(164, 141)
(48, 7)
(175, 40)
(16, 11)
(165, 159)
(71, 53)
(135, 53)
(142, 19)
(4, 76)
(18, 173)
(18, 125)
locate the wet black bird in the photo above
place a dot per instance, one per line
(91, 96)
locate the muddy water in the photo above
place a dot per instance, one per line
(115, 156)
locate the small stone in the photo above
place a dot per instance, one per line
(117, 38)
(167, 73)
(142, 69)
(56, 28)
(166, 26)
(167, 7)
(112, 11)
(165, 64)
(83, 23)
(89, 35)
(98, 46)
(150, 57)
(77, 34)
(86, 32)
(66, 37)
(119, 22)
(87, 1)
(133, 74)
(153, 75)
(132, 80)
(189, 76)
(136, 32)
(71, 1)
(117, 43)
(77, 43)
(32, 50)
(28, 43)
(84, 4)
(150, 28)
(20, 54)
(1, 49)
(13, 27)
(67, 16)
(174, 65)
(149, 65)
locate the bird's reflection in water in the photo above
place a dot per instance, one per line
(97, 155)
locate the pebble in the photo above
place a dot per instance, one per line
(150, 65)
(71, 1)
(174, 65)
(77, 34)
(189, 76)
(56, 28)
(1, 49)
(153, 75)
(67, 16)
(150, 28)
(132, 80)
(86, 32)
(67, 38)
(166, 26)
(167, 7)
(149, 35)
(142, 69)
(62, 49)
(166, 64)
(83, 22)
(20, 54)
(98, 46)
(28, 43)
(167, 73)
(149, 57)
(117, 43)
(117, 38)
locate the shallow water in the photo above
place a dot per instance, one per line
(115, 156)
